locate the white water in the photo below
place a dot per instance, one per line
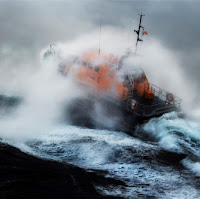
(124, 157)
(178, 135)
(35, 126)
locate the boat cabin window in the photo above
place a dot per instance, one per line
(90, 66)
(96, 68)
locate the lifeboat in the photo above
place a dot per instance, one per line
(125, 98)
(117, 99)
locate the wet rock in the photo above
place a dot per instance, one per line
(25, 176)
(170, 158)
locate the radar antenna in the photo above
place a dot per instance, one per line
(138, 31)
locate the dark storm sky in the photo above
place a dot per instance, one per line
(27, 26)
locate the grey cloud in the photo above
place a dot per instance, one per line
(27, 26)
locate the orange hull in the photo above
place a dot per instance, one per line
(100, 73)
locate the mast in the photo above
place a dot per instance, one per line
(100, 37)
(138, 31)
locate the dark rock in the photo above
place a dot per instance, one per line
(170, 158)
(25, 176)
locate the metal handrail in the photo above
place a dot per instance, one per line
(163, 93)
(149, 110)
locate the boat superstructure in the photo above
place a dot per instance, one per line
(127, 97)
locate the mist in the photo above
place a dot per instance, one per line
(29, 27)
(40, 124)
(44, 94)
(45, 91)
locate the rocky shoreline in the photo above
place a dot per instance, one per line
(25, 176)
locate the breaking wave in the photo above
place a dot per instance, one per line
(178, 135)
(140, 163)
(148, 164)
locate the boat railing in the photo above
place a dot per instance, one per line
(164, 106)
(145, 110)
(163, 95)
